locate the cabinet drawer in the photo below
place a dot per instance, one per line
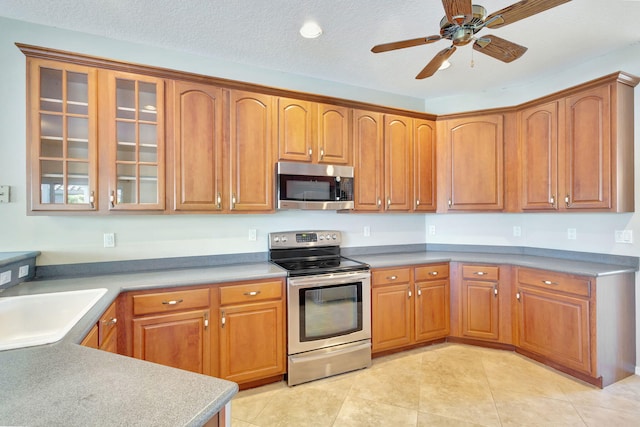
(432, 272)
(391, 276)
(555, 281)
(481, 272)
(250, 292)
(107, 323)
(163, 302)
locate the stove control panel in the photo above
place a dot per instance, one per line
(303, 239)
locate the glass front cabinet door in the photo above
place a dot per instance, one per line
(63, 137)
(136, 142)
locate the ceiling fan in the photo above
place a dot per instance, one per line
(463, 20)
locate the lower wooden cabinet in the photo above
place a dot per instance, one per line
(409, 305)
(252, 331)
(104, 335)
(234, 331)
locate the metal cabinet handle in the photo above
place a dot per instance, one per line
(417, 203)
(394, 277)
(388, 201)
(567, 200)
(419, 292)
(310, 151)
(450, 204)
(223, 321)
(410, 293)
(252, 293)
(110, 322)
(233, 201)
(112, 200)
(549, 282)
(219, 201)
(92, 200)
(206, 321)
(172, 302)
(495, 290)
(433, 273)
(518, 295)
(379, 202)
(480, 273)
(321, 153)
(552, 201)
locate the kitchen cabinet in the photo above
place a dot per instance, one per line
(197, 147)
(134, 135)
(383, 147)
(481, 304)
(62, 136)
(410, 305)
(313, 132)
(424, 166)
(581, 325)
(252, 151)
(472, 172)
(104, 335)
(171, 328)
(576, 149)
(252, 330)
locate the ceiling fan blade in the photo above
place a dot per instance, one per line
(458, 11)
(501, 49)
(522, 9)
(436, 62)
(385, 47)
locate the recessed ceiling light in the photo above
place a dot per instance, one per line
(310, 30)
(446, 64)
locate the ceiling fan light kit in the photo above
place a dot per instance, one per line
(310, 30)
(463, 20)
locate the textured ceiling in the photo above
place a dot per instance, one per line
(265, 34)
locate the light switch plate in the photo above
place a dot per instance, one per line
(4, 193)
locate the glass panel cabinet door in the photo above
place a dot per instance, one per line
(63, 138)
(137, 118)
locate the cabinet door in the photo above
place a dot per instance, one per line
(391, 316)
(475, 163)
(334, 141)
(62, 137)
(180, 340)
(398, 162)
(432, 310)
(197, 147)
(251, 151)
(252, 341)
(587, 150)
(539, 157)
(480, 314)
(555, 326)
(368, 155)
(295, 130)
(424, 166)
(136, 130)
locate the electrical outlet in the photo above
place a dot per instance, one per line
(366, 231)
(253, 234)
(4, 193)
(23, 271)
(5, 277)
(572, 234)
(624, 236)
(109, 240)
(517, 231)
(432, 230)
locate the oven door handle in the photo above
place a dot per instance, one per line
(328, 279)
(323, 355)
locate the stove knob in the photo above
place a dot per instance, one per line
(321, 237)
(276, 239)
(284, 239)
(335, 236)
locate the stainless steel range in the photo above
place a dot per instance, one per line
(328, 305)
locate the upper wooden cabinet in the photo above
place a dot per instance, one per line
(576, 151)
(62, 136)
(383, 146)
(134, 132)
(473, 170)
(424, 166)
(197, 147)
(252, 151)
(313, 132)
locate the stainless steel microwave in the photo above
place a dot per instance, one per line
(314, 186)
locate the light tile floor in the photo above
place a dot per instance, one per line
(443, 385)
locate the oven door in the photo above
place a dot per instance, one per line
(328, 310)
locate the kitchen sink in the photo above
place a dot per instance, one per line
(29, 320)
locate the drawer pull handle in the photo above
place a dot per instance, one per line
(252, 293)
(172, 302)
(549, 282)
(433, 273)
(392, 277)
(110, 322)
(410, 293)
(419, 292)
(480, 273)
